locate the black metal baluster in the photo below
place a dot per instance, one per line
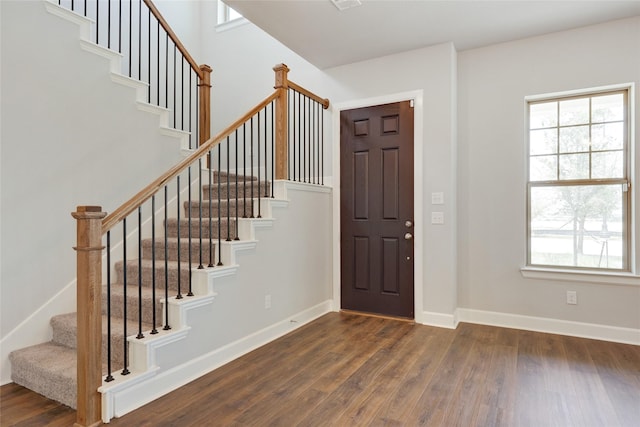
(200, 189)
(109, 24)
(196, 117)
(175, 126)
(219, 210)
(190, 291)
(166, 71)
(149, 55)
(314, 132)
(190, 116)
(244, 173)
(289, 134)
(322, 146)
(259, 182)
(236, 221)
(299, 137)
(210, 200)
(166, 326)
(251, 142)
(190, 251)
(304, 138)
(140, 335)
(158, 62)
(182, 127)
(130, 37)
(97, 22)
(140, 40)
(154, 330)
(120, 26)
(179, 296)
(266, 143)
(125, 370)
(273, 155)
(228, 239)
(85, 7)
(109, 377)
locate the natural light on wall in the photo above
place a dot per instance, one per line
(579, 185)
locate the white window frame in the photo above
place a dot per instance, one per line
(628, 274)
(224, 23)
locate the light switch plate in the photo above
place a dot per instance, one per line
(437, 198)
(437, 217)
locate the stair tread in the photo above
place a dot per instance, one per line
(71, 320)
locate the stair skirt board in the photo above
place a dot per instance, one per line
(120, 399)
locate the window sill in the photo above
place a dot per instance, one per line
(600, 277)
(225, 26)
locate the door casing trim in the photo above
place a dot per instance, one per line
(418, 190)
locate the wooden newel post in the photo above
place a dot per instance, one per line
(204, 87)
(282, 87)
(89, 301)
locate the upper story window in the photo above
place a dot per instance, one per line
(579, 196)
(228, 17)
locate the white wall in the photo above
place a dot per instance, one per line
(493, 83)
(70, 136)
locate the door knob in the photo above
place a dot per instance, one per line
(408, 236)
(408, 224)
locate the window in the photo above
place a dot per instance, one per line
(579, 181)
(226, 14)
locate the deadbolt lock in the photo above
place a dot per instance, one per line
(408, 224)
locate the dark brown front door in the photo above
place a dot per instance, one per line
(376, 209)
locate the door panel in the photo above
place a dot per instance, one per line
(376, 157)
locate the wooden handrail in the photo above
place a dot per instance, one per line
(123, 211)
(323, 101)
(194, 65)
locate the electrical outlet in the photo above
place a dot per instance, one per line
(267, 302)
(572, 297)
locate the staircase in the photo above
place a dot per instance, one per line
(49, 368)
(167, 324)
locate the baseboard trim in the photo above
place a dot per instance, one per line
(552, 326)
(128, 399)
(440, 320)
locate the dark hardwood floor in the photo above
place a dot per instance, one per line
(346, 370)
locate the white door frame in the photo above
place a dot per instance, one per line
(418, 190)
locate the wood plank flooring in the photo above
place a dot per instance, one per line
(350, 370)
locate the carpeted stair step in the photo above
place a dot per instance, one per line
(231, 177)
(147, 275)
(209, 228)
(48, 369)
(258, 189)
(213, 208)
(117, 303)
(172, 248)
(65, 331)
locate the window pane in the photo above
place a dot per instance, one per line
(233, 14)
(543, 115)
(574, 166)
(577, 226)
(574, 112)
(608, 136)
(543, 141)
(608, 108)
(574, 139)
(543, 168)
(608, 164)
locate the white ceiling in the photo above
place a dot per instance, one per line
(326, 37)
